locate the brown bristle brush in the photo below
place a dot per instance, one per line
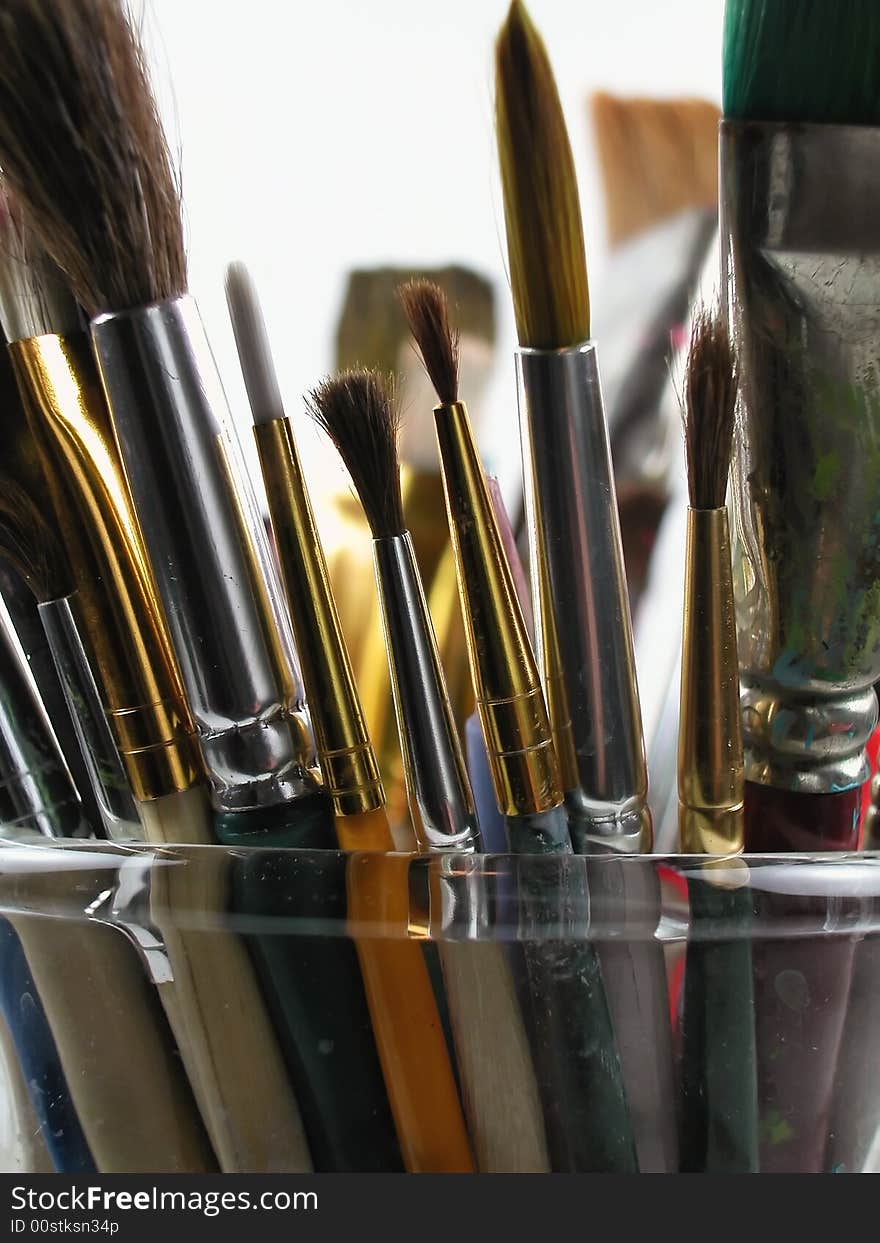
(719, 1121)
(358, 412)
(83, 151)
(99, 1002)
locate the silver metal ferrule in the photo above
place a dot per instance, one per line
(164, 393)
(801, 260)
(37, 794)
(441, 802)
(583, 628)
(106, 774)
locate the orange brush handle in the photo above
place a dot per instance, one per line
(409, 1035)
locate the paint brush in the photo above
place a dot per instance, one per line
(409, 1036)
(802, 114)
(68, 418)
(584, 1100)
(719, 1126)
(358, 412)
(583, 631)
(81, 146)
(210, 995)
(104, 1009)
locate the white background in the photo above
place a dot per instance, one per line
(317, 136)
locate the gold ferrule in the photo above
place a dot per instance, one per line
(510, 701)
(345, 753)
(710, 749)
(123, 621)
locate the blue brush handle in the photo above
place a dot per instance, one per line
(491, 821)
(38, 1058)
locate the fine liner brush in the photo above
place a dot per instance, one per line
(358, 412)
(105, 1019)
(584, 1100)
(409, 1036)
(584, 637)
(719, 1124)
(81, 145)
(800, 174)
(211, 1001)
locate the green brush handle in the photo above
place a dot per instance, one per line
(312, 984)
(578, 1068)
(719, 1085)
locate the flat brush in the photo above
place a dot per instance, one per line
(409, 1036)
(802, 114)
(719, 1123)
(81, 145)
(583, 631)
(357, 411)
(584, 1100)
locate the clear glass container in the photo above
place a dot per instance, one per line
(207, 1008)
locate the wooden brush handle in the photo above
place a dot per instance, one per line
(124, 1077)
(498, 1083)
(409, 1033)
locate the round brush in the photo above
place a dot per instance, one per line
(584, 1099)
(358, 412)
(409, 1036)
(583, 631)
(719, 1119)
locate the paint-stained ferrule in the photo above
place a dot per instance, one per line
(120, 610)
(582, 620)
(345, 753)
(710, 748)
(509, 698)
(801, 259)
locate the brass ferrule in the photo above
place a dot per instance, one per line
(710, 748)
(345, 753)
(510, 702)
(123, 620)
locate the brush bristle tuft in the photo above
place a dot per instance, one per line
(813, 61)
(34, 297)
(545, 236)
(427, 311)
(358, 411)
(82, 147)
(29, 546)
(709, 409)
